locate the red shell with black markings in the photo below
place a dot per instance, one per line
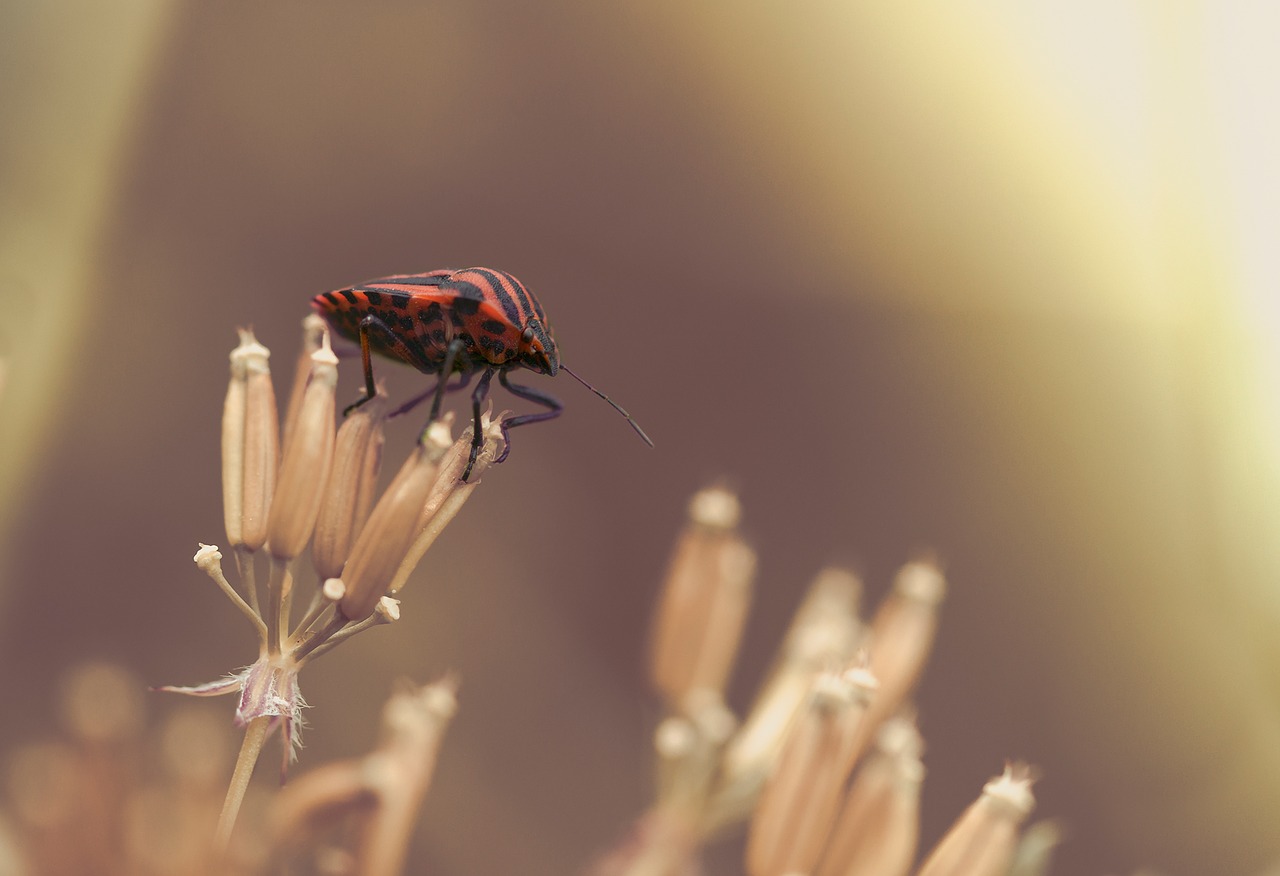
(500, 322)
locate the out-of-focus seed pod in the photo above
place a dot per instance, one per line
(794, 816)
(704, 604)
(195, 748)
(103, 704)
(1034, 854)
(902, 634)
(304, 468)
(348, 499)
(313, 331)
(878, 826)
(391, 528)
(825, 632)
(660, 844)
(45, 784)
(414, 722)
(250, 444)
(688, 745)
(983, 839)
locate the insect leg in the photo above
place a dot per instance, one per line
(423, 396)
(477, 433)
(451, 354)
(367, 325)
(525, 392)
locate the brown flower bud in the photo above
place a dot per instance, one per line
(304, 469)
(704, 604)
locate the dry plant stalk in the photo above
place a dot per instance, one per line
(320, 493)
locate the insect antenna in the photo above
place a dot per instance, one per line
(613, 404)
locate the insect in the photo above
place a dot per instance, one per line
(465, 321)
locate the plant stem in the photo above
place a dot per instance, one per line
(254, 735)
(244, 564)
(275, 581)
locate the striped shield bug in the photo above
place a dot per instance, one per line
(465, 321)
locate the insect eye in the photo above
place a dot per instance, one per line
(527, 337)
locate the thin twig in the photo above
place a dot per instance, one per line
(215, 572)
(322, 644)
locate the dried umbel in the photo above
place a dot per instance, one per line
(320, 492)
(820, 799)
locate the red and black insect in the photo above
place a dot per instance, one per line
(442, 322)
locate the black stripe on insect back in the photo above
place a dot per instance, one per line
(531, 304)
(351, 296)
(526, 310)
(417, 280)
(500, 294)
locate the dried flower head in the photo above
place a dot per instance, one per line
(325, 484)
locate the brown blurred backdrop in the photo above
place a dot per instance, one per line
(989, 284)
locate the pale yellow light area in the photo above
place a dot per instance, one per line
(1106, 163)
(72, 77)
(1111, 169)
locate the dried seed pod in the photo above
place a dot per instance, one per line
(304, 468)
(449, 493)
(391, 528)
(313, 332)
(902, 634)
(983, 839)
(261, 451)
(824, 632)
(348, 499)
(704, 604)
(250, 444)
(414, 722)
(879, 823)
(793, 818)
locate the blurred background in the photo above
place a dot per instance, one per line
(998, 281)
